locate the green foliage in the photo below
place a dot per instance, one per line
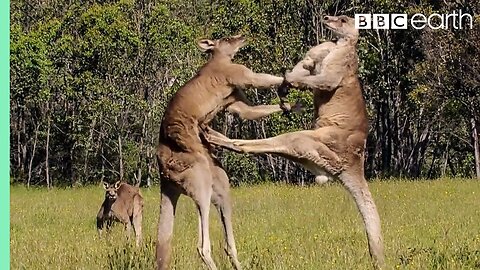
(84, 75)
(241, 169)
(279, 124)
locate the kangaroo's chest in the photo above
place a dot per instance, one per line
(220, 101)
(118, 213)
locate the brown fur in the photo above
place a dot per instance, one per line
(123, 203)
(314, 57)
(186, 164)
(335, 148)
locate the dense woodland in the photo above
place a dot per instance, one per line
(90, 81)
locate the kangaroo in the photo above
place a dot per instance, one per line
(335, 148)
(123, 203)
(312, 62)
(186, 163)
(310, 65)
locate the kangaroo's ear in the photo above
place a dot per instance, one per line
(206, 45)
(105, 185)
(116, 185)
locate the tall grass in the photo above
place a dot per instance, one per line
(426, 225)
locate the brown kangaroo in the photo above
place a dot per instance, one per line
(186, 163)
(123, 203)
(335, 148)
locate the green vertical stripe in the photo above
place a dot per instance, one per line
(5, 135)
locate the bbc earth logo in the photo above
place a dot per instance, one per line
(435, 21)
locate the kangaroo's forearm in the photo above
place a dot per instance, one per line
(263, 81)
(318, 82)
(260, 111)
(256, 112)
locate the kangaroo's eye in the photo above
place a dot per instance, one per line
(343, 20)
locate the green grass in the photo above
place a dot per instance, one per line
(426, 225)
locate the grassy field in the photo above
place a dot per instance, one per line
(427, 225)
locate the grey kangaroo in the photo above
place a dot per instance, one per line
(123, 203)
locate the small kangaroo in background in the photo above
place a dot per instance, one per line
(123, 203)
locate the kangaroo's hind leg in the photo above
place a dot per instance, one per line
(221, 200)
(197, 182)
(137, 218)
(169, 197)
(357, 186)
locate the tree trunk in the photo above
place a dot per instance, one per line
(476, 147)
(120, 157)
(270, 158)
(144, 135)
(47, 173)
(430, 173)
(287, 173)
(70, 167)
(102, 178)
(71, 144)
(24, 147)
(149, 167)
(32, 156)
(20, 161)
(445, 163)
(87, 148)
